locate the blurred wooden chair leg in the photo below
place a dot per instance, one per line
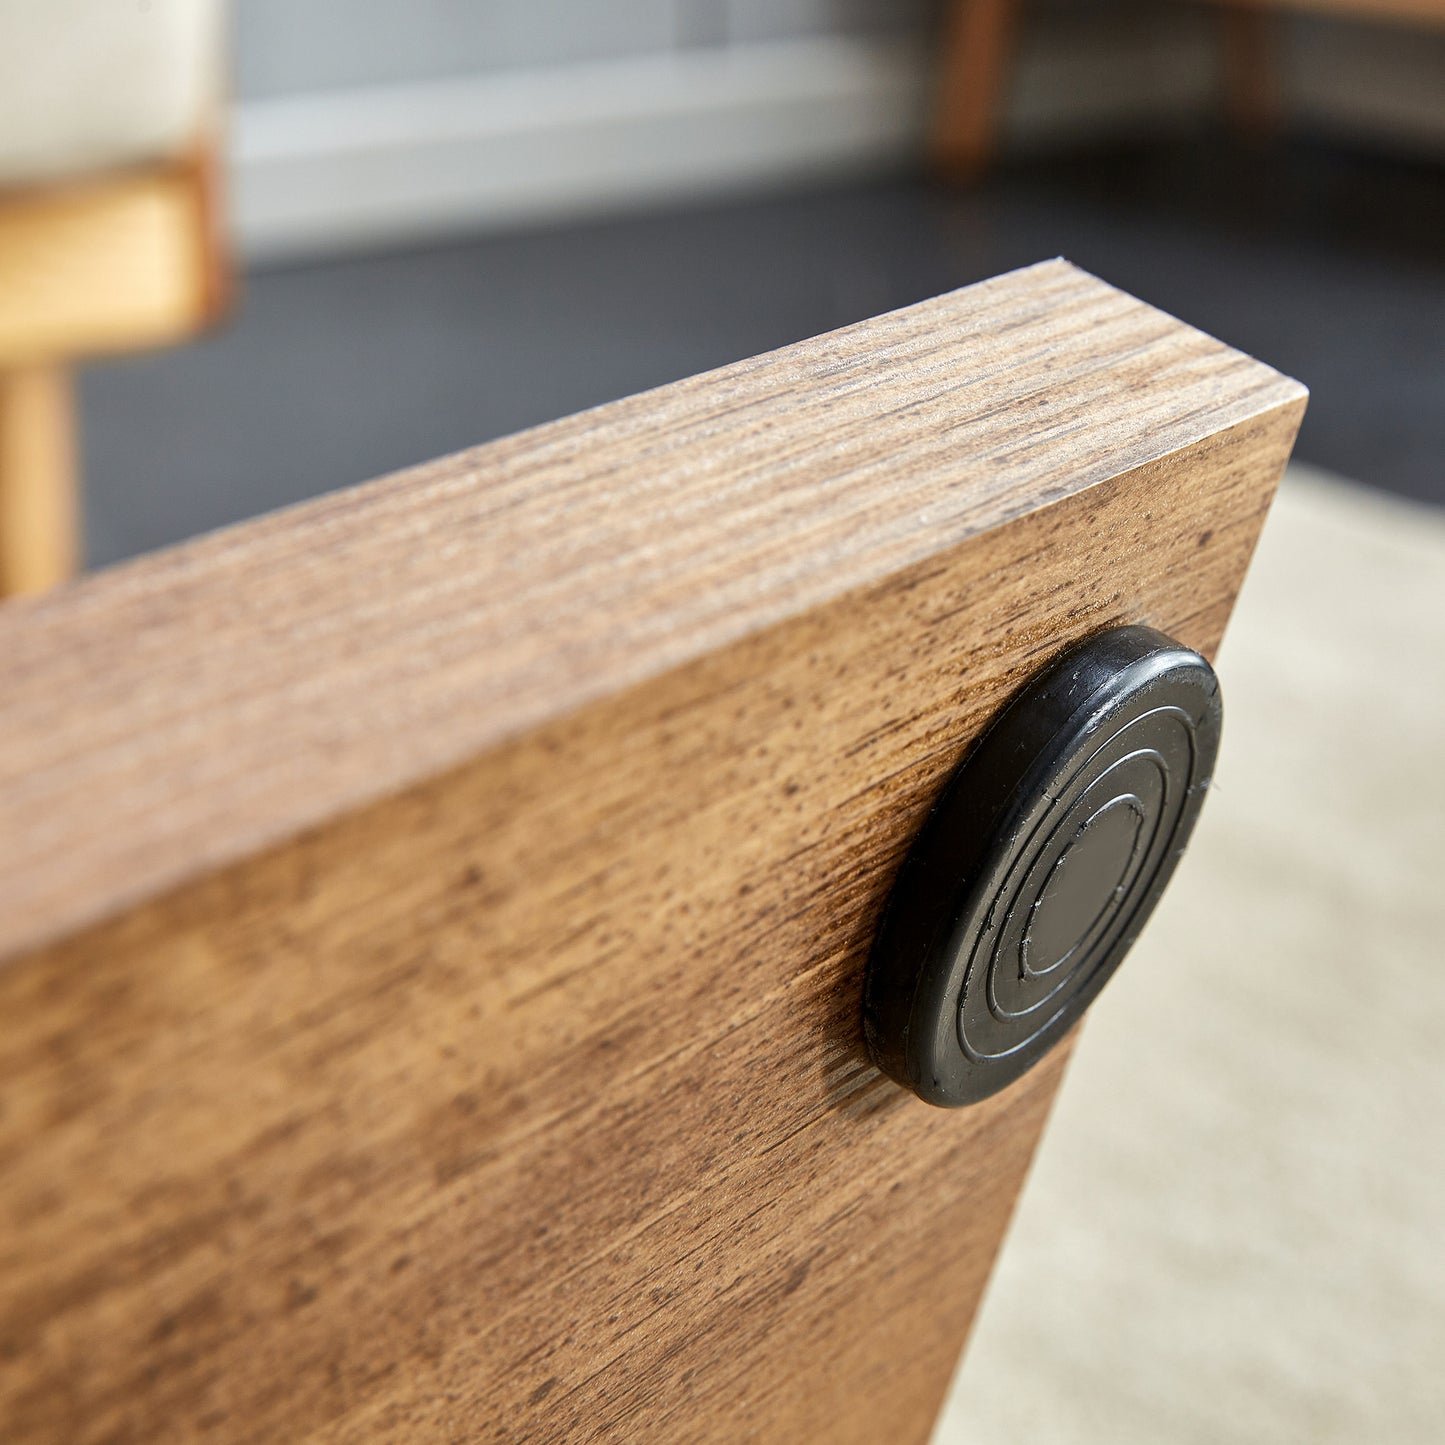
(1252, 97)
(977, 48)
(38, 503)
(89, 265)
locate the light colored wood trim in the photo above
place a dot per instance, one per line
(517, 1089)
(973, 72)
(38, 503)
(346, 648)
(109, 264)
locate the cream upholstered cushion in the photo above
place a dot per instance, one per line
(88, 85)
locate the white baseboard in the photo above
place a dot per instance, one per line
(331, 171)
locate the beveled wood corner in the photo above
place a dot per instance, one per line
(434, 916)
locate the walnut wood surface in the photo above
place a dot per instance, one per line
(223, 695)
(514, 1089)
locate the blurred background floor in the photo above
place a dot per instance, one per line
(1232, 1227)
(1325, 263)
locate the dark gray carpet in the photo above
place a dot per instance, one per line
(1327, 265)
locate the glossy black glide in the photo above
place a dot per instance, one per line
(1041, 862)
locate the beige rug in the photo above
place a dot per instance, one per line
(1235, 1228)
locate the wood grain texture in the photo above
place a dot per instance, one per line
(515, 1090)
(223, 695)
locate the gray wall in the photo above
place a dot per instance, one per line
(289, 46)
(1083, 66)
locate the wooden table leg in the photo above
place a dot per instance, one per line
(1251, 74)
(977, 43)
(38, 502)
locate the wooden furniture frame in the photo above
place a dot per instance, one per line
(435, 915)
(89, 266)
(977, 50)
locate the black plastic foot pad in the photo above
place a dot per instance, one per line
(1040, 864)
